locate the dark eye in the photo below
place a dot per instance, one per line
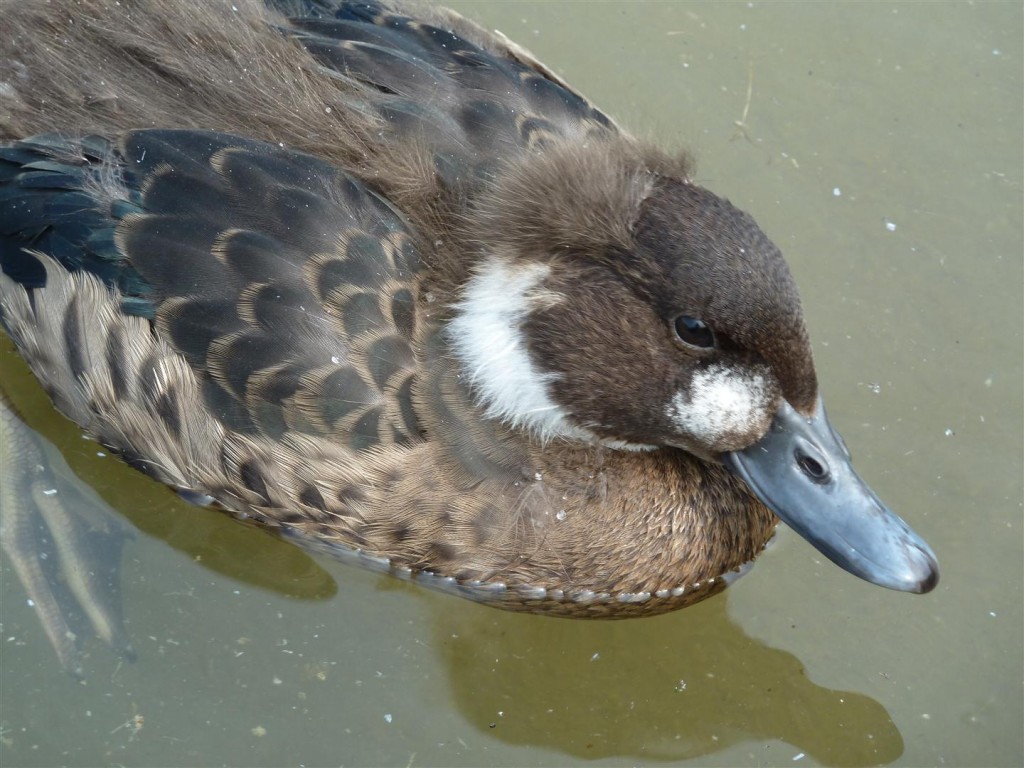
(694, 332)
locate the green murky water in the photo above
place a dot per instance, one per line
(882, 149)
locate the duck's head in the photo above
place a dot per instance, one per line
(615, 301)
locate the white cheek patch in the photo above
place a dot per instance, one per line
(487, 337)
(724, 402)
(486, 334)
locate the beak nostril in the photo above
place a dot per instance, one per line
(811, 467)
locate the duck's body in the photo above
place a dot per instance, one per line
(393, 286)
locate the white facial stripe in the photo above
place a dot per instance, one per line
(723, 402)
(622, 445)
(487, 337)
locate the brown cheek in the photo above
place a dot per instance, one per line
(615, 362)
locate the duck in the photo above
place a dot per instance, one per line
(375, 277)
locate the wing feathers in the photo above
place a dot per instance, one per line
(286, 285)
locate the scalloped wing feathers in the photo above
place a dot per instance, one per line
(287, 286)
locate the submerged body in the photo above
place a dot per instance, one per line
(63, 542)
(390, 285)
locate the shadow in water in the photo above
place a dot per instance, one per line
(678, 686)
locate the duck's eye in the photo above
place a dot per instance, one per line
(695, 332)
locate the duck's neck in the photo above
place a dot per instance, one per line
(487, 335)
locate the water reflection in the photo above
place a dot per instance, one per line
(694, 685)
